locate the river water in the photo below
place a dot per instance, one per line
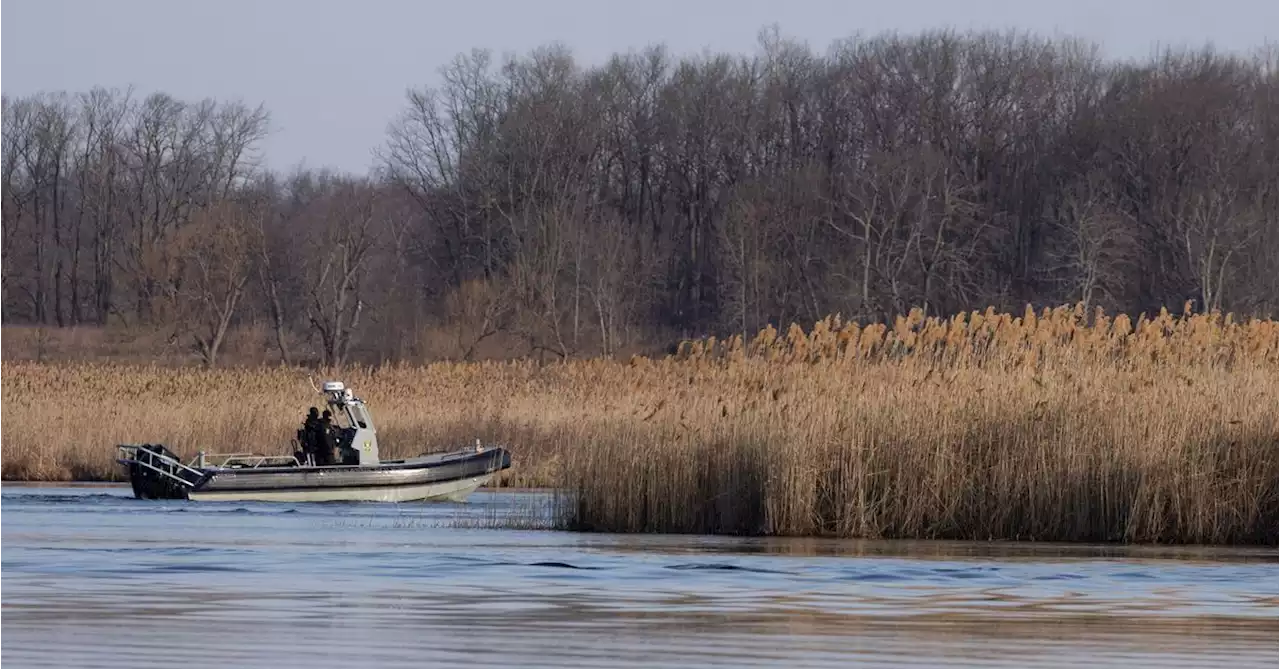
(92, 577)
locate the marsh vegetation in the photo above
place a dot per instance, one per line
(1058, 425)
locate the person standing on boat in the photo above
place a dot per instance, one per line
(327, 441)
(311, 427)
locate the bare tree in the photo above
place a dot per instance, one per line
(747, 262)
(477, 311)
(269, 281)
(215, 262)
(879, 214)
(439, 150)
(344, 225)
(17, 193)
(235, 131)
(103, 115)
(1093, 243)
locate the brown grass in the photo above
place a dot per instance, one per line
(982, 426)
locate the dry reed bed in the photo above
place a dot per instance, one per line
(982, 426)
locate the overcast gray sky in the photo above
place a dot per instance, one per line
(333, 73)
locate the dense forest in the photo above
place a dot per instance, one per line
(581, 210)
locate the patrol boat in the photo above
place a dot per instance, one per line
(155, 472)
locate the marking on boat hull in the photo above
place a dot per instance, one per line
(456, 491)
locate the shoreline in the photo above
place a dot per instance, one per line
(1011, 548)
(64, 484)
(1014, 547)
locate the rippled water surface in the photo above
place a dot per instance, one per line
(92, 577)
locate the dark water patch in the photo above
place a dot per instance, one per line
(1058, 577)
(968, 573)
(875, 577)
(206, 509)
(452, 560)
(722, 566)
(195, 568)
(192, 550)
(166, 551)
(560, 565)
(1136, 576)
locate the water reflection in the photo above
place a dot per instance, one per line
(951, 550)
(93, 577)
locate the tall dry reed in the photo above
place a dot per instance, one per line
(1045, 426)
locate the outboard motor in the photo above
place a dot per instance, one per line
(155, 472)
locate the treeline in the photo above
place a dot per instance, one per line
(570, 210)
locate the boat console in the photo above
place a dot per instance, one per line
(358, 439)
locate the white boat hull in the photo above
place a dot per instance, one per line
(456, 490)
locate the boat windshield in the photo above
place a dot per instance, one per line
(358, 416)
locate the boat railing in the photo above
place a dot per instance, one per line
(250, 460)
(157, 460)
